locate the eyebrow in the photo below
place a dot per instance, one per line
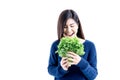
(72, 23)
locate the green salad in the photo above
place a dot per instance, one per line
(72, 44)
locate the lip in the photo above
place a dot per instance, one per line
(70, 34)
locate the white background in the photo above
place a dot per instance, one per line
(28, 27)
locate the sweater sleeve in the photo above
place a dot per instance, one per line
(88, 67)
(54, 67)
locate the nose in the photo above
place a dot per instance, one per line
(69, 29)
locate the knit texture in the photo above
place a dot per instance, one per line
(86, 69)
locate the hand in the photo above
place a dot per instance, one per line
(73, 58)
(64, 63)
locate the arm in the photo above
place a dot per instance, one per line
(54, 67)
(88, 67)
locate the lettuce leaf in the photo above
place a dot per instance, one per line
(72, 44)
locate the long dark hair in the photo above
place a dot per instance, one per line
(63, 17)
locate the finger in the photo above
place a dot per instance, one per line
(70, 59)
(64, 60)
(65, 64)
(69, 64)
(72, 53)
(72, 63)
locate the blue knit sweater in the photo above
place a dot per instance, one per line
(86, 69)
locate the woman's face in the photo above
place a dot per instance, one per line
(71, 28)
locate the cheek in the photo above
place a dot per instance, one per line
(64, 30)
(76, 30)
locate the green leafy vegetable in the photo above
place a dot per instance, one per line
(72, 44)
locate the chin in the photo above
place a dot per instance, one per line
(72, 36)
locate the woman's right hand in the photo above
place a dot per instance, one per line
(64, 63)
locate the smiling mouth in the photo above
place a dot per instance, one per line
(69, 35)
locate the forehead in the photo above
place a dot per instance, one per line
(70, 21)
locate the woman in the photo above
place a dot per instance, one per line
(82, 67)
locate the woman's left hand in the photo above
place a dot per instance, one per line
(74, 58)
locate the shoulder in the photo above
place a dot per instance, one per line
(89, 43)
(55, 43)
(90, 47)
